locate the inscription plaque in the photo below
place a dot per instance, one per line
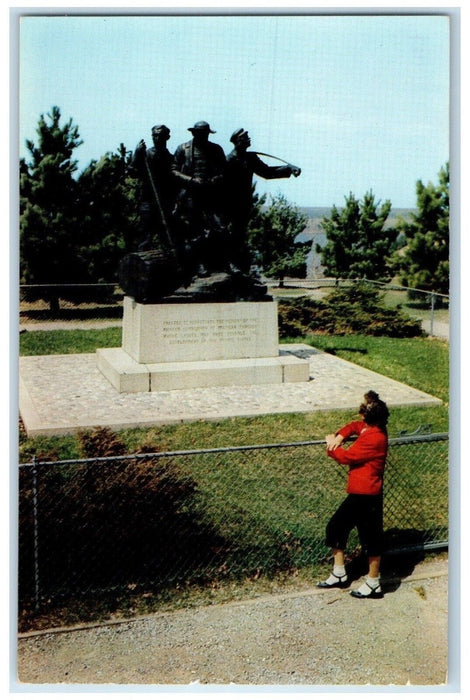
(186, 332)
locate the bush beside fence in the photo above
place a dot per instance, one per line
(173, 519)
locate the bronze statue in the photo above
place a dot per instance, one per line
(241, 166)
(198, 169)
(195, 211)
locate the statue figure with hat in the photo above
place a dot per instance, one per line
(241, 166)
(198, 169)
(158, 191)
(152, 271)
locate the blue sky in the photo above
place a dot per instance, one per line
(358, 102)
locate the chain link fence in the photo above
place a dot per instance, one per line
(173, 519)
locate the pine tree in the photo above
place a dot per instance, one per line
(273, 233)
(109, 213)
(358, 244)
(48, 207)
(424, 262)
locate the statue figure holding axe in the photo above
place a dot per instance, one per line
(154, 270)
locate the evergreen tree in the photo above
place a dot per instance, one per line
(358, 244)
(424, 262)
(49, 250)
(273, 233)
(109, 213)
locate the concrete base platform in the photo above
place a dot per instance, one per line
(61, 394)
(128, 376)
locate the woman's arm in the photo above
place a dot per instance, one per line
(367, 446)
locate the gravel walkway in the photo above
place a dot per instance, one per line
(309, 637)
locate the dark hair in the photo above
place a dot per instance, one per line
(374, 411)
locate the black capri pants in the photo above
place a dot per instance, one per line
(366, 514)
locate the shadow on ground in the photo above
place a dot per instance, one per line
(404, 550)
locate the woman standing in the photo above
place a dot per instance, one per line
(363, 507)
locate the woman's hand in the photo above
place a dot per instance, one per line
(333, 441)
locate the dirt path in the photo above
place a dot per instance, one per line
(302, 638)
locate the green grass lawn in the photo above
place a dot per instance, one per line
(69, 342)
(419, 362)
(420, 309)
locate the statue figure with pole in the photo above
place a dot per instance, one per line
(241, 166)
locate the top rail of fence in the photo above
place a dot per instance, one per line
(316, 282)
(288, 282)
(402, 440)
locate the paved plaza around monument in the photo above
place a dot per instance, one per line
(61, 394)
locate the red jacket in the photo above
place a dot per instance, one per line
(365, 458)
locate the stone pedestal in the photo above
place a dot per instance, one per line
(183, 346)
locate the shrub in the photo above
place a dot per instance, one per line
(356, 309)
(110, 523)
(100, 442)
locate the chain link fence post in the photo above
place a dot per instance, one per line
(433, 300)
(35, 533)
